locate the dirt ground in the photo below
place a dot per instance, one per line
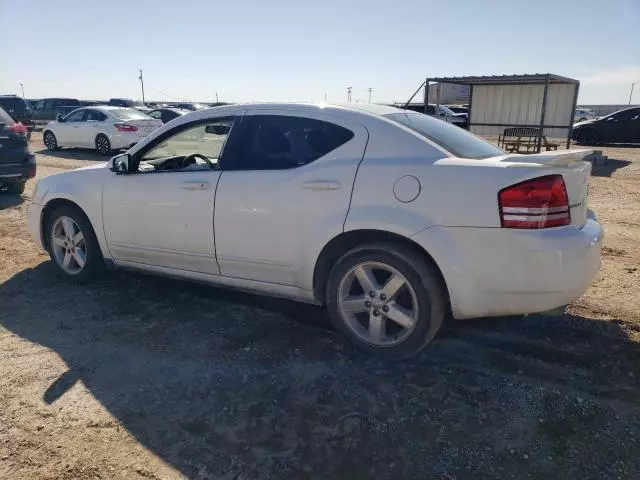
(143, 377)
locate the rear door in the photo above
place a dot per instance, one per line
(286, 193)
(87, 131)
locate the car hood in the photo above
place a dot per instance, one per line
(586, 122)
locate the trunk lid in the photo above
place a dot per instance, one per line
(13, 146)
(573, 167)
(145, 126)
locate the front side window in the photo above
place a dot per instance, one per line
(75, 116)
(449, 137)
(277, 142)
(197, 147)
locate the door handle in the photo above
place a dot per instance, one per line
(321, 185)
(196, 185)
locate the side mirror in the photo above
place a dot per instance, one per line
(60, 117)
(120, 163)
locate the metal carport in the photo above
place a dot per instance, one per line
(542, 100)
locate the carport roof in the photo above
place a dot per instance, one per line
(527, 79)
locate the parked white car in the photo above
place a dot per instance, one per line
(583, 114)
(389, 218)
(104, 128)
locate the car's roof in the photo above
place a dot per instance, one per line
(367, 108)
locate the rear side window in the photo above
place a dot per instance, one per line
(95, 115)
(13, 104)
(278, 142)
(453, 139)
(5, 117)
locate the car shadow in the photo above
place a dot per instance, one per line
(609, 166)
(244, 386)
(9, 200)
(75, 154)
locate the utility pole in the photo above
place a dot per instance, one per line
(630, 94)
(22, 87)
(370, 90)
(141, 85)
(217, 101)
(349, 94)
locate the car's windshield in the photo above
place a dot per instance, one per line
(129, 114)
(450, 137)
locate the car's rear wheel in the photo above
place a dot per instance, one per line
(73, 245)
(588, 137)
(103, 146)
(50, 141)
(386, 299)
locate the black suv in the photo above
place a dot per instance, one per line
(17, 164)
(19, 109)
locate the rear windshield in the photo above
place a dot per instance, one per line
(453, 139)
(13, 103)
(129, 114)
(5, 117)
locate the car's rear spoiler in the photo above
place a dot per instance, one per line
(556, 159)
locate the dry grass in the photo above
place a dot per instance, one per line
(140, 377)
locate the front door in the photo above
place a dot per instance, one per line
(68, 132)
(286, 194)
(162, 214)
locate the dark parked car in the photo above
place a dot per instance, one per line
(167, 114)
(49, 108)
(622, 126)
(17, 164)
(188, 106)
(19, 109)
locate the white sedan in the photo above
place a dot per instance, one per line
(104, 128)
(389, 218)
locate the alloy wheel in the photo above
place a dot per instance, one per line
(68, 245)
(102, 144)
(378, 303)
(50, 141)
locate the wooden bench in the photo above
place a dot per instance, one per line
(523, 140)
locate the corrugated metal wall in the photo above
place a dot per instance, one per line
(513, 105)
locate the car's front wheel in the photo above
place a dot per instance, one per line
(73, 245)
(386, 299)
(103, 145)
(588, 137)
(50, 141)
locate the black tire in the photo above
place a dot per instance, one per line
(17, 188)
(588, 137)
(50, 141)
(103, 145)
(94, 263)
(423, 278)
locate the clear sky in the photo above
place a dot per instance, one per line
(274, 50)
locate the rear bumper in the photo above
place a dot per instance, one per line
(497, 271)
(18, 172)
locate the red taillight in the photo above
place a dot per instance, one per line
(124, 127)
(18, 128)
(537, 203)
